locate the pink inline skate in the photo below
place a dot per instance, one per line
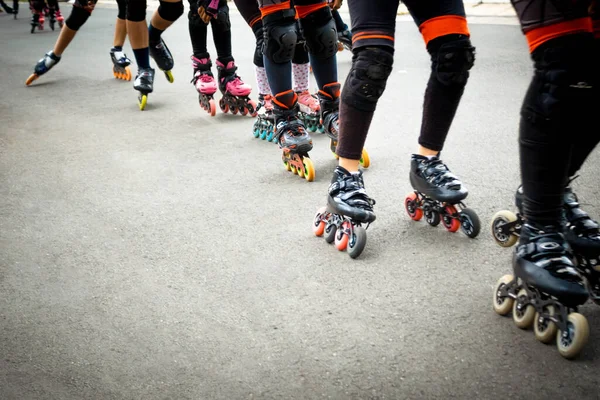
(310, 111)
(205, 84)
(235, 91)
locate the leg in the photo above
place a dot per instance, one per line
(168, 12)
(120, 25)
(308, 104)
(120, 61)
(137, 31)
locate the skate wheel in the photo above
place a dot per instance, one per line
(292, 169)
(330, 230)
(252, 108)
(341, 238)
(263, 134)
(571, 343)
(224, 107)
(244, 111)
(233, 110)
(523, 314)
(169, 76)
(543, 328)
(309, 169)
(451, 223)
(432, 218)
(256, 130)
(127, 74)
(270, 135)
(287, 165)
(143, 101)
(498, 220)
(357, 243)
(319, 223)
(213, 108)
(412, 207)
(30, 80)
(469, 222)
(502, 305)
(365, 161)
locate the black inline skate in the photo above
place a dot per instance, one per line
(329, 110)
(545, 290)
(437, 194)
(264, 125)
(235, 92)
(37, 21)
(348, 208)
(144, 83)
(292, 137)
(582, 233)
(121, 64)
(43, 65)
(163, 58)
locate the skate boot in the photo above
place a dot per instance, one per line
(52, 17)
(120, 64)
(37, 21)
(59, 18)
(545, 290)
(309, 111)
(235, 92)
(291, 136)
(264, 124)
(345, 40)
(205, 84)
(437, 193)
(348, 207)
(144, 83)
(44, 65)
(163, 58)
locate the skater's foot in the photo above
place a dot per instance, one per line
(347, 196)
(230, 82)
(161, 55)
(543, 260)
(329, 98)
(430, 176)
(289, 129)
(144, 81)
(582, 232)
(203, 79)
(308, 103)
(45, 64)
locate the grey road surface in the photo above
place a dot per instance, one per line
(166, 254)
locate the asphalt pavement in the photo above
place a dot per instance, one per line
(166, 254)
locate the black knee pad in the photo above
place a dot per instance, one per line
(452, 61)
(280, 36)
(562, 89)
(257, 28)
(77, 18)
(222, 22)
(170, 11)
(122, 9)
(136, 10)
(320, 33)
(300, 54)
(367, 78)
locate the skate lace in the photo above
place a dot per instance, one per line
(436, 172)
(351, 190)
(548, 249)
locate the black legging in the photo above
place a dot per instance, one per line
(221, 30)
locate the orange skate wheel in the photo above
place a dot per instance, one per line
(31, 78)
(253, 107)
(412, 208)
(128, 73)
(341, 239)
(451, 224)
(244, 111)
(309, 169)
(213, 108)
(318, 223)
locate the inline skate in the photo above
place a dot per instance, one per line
(163, 58)
(348, 208)
(292, 137)
(235, 92)
(581, 232)
(545, 290)
(309, 109)
(121, 64)
(144, 83)
(264, 124)
(56, 16)
(43, 65)
(205, 84)
(37, 21)
(329, 100)
(437, 193)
